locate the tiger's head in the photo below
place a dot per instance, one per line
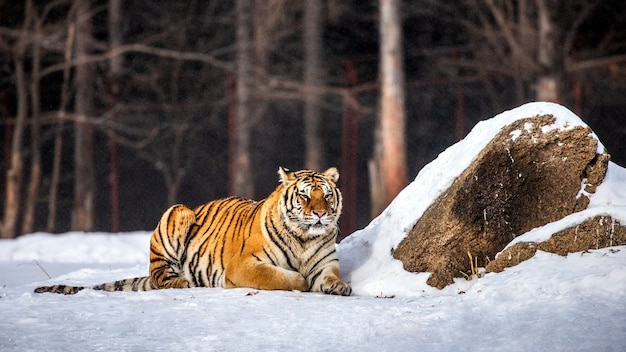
(310, 201)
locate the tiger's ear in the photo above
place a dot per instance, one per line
(284, 175)
(332, 173)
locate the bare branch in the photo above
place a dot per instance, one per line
(595, 63)
(145, 49)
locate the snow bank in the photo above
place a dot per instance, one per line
(549, 303)
(78, 247)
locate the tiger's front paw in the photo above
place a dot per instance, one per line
(334, 286)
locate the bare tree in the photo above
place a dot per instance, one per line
(172, 103)
(58, 129)
(32, 194)
(313, 77)
(267, 18)
(240, 165)
(15, 169)
(390, 149)
(84, 168)
(30, 44)
(531, 41)
(350, 152)
(528, 32)
(116, 67)
(181, 97)
(550, 79)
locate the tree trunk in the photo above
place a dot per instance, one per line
(15, 168)
(58, 130)
(349, 153)
(115, 72)
(84, 175)
(314, 147)
(459, 120)
(549, 83)
(241, 177)
(32, 194)
(392, 146)
(265, 129)
(174, 172)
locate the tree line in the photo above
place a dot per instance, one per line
(112, 110)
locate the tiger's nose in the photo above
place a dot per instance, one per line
(319, 213)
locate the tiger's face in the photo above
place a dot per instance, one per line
(311, 201)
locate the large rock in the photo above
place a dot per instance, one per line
(527, 176)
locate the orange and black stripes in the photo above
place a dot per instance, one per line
(286, 241)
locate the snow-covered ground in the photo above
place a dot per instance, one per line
(548, 303)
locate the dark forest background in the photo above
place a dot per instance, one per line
(113, 110)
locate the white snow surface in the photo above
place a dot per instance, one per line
(547, 303)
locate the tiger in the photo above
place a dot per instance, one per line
(283, 242)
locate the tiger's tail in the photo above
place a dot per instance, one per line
(135, 284)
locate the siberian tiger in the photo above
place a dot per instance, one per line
(284, 242)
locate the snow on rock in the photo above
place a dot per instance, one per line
(543, 233)
(612, 191)
(365, 256)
